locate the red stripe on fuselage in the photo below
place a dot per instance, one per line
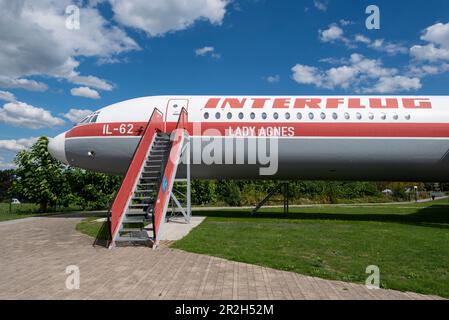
(295, 129)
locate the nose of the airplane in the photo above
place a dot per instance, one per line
(56, 147)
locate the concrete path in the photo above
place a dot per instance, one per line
(34, 254)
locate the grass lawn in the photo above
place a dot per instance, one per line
(26, 210)
(94, 228)
(408, 242)
(18, 211)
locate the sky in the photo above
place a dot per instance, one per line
(62, 59)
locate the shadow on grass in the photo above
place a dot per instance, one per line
(435, 216)
(103, 237)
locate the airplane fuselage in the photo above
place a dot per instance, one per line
(333, 138)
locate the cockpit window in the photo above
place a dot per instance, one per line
(92, 118)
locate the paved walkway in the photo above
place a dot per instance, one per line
(34, 254)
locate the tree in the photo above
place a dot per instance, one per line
(203, 191)
(6, 177)
(91, 189)
(39, 177)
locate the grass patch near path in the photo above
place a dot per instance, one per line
(27, 210)
(93, 228)
(18, 211)
(408, 242)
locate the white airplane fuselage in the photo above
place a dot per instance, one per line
(396, 138)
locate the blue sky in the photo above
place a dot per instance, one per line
(51, 74)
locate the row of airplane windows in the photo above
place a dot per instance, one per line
(310, 115)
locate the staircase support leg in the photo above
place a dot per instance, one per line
(189, 203)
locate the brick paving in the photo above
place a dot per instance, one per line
(34, 254)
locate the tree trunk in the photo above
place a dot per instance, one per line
(44, 206)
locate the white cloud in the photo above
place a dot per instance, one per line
(157, 17)
(75, 115)
(426, 69)
(21, 83)
(344, 22)
(362, 38)
(17, 145)
(437, 34)
(437, 48)
(307, 75)
(388, 47)
(85, 92)
(38, 42)
(273, 79)
(91, 81)
(359, 74)
(320, 5)
(20, 114)
(7, 96)
(429, 52)
(204, 51)
(381, 45)
(394, 84)
(331, 34)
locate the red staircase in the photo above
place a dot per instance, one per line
(138, 212)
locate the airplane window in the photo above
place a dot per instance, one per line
(82, 121)
(94, 119)
(347, 116)
(287, 116)
(407, 117)
(311, 116)
(264, 115)
(395, 117)
(335, 116)
(217, 115)
(276, 115)
(371, 116)
(252, 115)
(358, 115)
(241, 115)
(383, 116)
(299, 115)
(206, 115)
(229, 115)
(323, 115)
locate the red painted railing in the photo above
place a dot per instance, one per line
(169, 176)
(124, 194)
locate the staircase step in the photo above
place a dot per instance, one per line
(134, 239)
(134, 219)
(144, 191)
(139, 205)
(134, 230)
(141, 198)
(159, 150)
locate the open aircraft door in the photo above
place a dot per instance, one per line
(174, 107)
